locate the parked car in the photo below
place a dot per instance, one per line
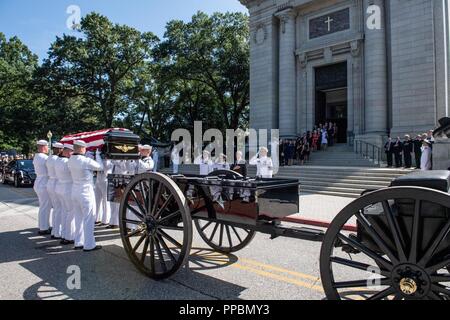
(19, 172)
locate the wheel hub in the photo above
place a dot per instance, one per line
(408, 286)
(411, 281)
(151, 225)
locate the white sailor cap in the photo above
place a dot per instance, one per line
(42, 143)
(80, 143)
(68, 146)
(146, 147)
(58, 145)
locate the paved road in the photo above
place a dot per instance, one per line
(35, 267)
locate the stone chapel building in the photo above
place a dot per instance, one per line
(375, 67)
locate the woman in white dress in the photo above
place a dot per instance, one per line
(324, 139)
(425, 160)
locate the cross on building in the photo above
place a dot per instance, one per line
(329, 21)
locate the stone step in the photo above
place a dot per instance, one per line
(318, 174)
(331, 193)
(345, 169)
(354, 191)
(328, 181)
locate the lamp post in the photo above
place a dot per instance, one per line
(49, 136)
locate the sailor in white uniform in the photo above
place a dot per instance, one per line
(63, 191)
(101, 198)
(81, 169)
(40, 186)
(143, 165)
(263, 163)
(51, 184)
(205, 163)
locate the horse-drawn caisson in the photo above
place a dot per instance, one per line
(392, 243)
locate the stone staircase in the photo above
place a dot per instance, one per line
(340, 155)
(340, 181)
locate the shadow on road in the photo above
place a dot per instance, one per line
(107, 273)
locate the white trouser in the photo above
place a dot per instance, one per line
(98, 206)
(64, 194)
(83, 198)
(56, 205)
(40, 187)
(103, 206)
(114, 217)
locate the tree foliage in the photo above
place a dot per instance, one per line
(114, 75)
(19, 106)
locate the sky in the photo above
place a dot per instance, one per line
(38, 22)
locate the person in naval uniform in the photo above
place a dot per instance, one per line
(143, 165)
(205, 163)
(263, 163)
(51, 185)
(40, 187)
(63, 191)
(83, 197)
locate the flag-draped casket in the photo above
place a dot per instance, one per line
(115, 143)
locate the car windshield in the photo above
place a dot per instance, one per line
(25, 164)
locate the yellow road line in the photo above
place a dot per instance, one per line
(275, 268)
(279, 277)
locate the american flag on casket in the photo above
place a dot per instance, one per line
(94, 139)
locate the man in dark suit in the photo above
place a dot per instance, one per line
(240, 165)
(398, 150)
(417, 143)
(407, 150)
(388, 149)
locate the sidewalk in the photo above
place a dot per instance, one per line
(321, 207)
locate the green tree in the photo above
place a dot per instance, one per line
(95, 68)
(19, 106)
(214, 51)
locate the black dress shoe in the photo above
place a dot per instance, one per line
(55, 238)
(98, 223)
(112, 227)
(94, 249)
(44, 232)
(78, 248)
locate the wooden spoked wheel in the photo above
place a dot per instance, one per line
(223, 237)
(155, 225)
(400, 252)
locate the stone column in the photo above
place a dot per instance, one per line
(375, 70)
(287, 84)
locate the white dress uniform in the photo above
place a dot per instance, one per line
(138, 167)
(64, 193)
(264, 166)
(206, 165)
(81, 169)
(54, 199)
(103, 206)
(425, 160)
(141, 166)
(40, 187)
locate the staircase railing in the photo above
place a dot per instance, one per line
(369, 151)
